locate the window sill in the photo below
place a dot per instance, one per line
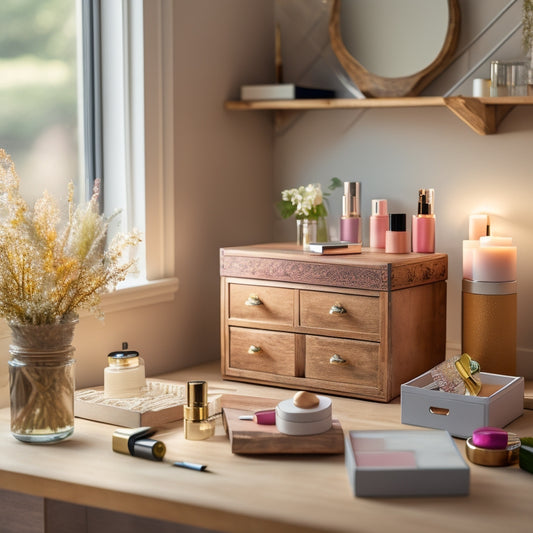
(130, 295)
(126, 297)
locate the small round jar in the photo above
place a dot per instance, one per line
(125, 376)
(292, 420)
(494, 457)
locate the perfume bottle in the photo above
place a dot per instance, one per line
(196, 423)
(423, 226)
(351, 212)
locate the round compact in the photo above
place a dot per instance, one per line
(494, 457)
(293, 420)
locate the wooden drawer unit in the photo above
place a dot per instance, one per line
(355, 325)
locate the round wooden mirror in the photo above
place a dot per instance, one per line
(430, 43)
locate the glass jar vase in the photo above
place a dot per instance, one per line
(305, 232)
(42, 382)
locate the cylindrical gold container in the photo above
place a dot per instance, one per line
(489, 312)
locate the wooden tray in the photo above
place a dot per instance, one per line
(247, 437)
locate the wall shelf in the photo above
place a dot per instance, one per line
(483, 115)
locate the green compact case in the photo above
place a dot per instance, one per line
(525, 457)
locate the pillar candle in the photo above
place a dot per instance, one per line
(478, 226)
(494, 263)
(493, 240)
(468, 255)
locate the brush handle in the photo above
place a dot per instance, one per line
(265, 418)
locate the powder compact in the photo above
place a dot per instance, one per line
(305, 414)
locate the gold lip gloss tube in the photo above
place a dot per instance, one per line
(196, 423)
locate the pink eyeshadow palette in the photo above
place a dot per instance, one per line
(405, 463)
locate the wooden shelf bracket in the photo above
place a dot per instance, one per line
(483, 118)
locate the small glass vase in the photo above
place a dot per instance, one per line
(42, 382)
(322, 232)
(306, 231)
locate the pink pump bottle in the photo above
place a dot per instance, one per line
(351, 212)
(379, 223)
(423, 225)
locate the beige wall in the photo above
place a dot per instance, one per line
(223, 182)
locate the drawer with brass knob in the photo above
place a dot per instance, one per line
(341, 312)
(271, 305)
(258, 350)
(343, 361)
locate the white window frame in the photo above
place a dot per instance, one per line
(138, 140)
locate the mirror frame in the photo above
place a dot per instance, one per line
(372, 85)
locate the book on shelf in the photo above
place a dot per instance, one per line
(283, 91)
(335, 248)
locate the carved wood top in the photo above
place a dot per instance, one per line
(372, 270)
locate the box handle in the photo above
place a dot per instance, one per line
(439, 411)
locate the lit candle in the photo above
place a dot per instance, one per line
(494, 263)
(478, 226)
(468, 254)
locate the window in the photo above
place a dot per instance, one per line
(136, 132)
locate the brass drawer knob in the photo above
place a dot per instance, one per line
(337, 309)
(336, 359)
(254, 349)
(253, 299)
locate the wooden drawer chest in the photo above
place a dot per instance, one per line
(355, 325)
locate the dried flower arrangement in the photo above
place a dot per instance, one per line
(48, 274)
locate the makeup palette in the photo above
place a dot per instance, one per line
(401, 463)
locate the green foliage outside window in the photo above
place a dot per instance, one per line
(38, 86)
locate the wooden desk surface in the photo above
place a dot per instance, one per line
(260, 494)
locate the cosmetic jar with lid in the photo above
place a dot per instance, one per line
(196, 422)
(124, 377)
(494, 457)
(293, 420)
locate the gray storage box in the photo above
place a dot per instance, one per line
(398, 463)
(458, 414)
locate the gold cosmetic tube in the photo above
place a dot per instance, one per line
(489, 312)
(135, 441)
(196, 422)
